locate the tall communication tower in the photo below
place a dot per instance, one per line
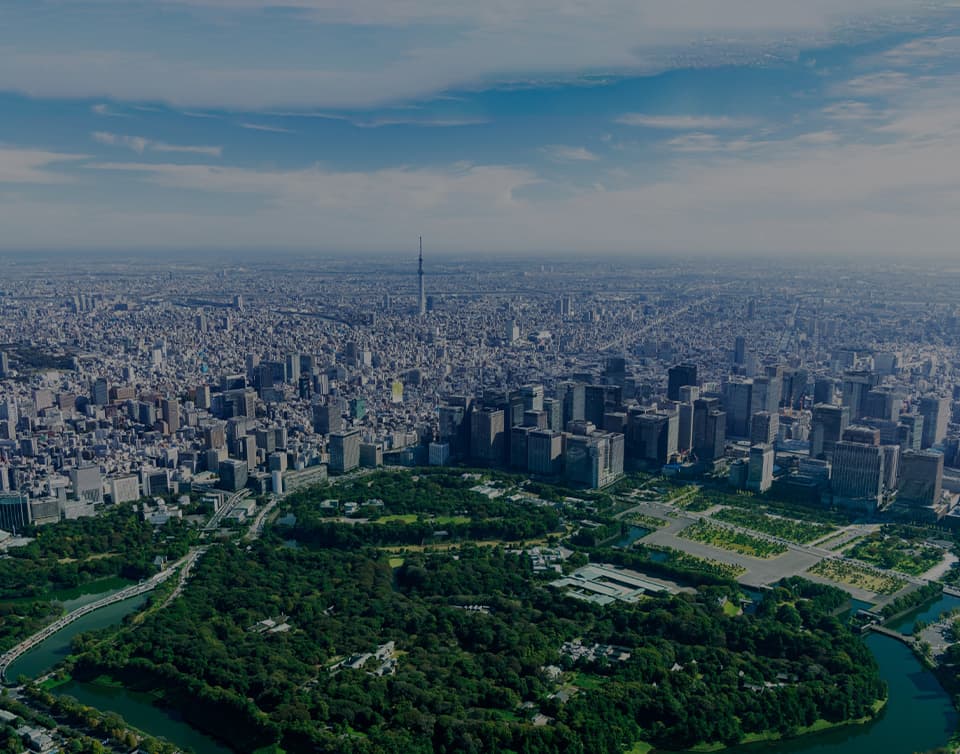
(423, 294)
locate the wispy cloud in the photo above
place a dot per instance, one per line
(268, 129)
(852, 111)
(683, 122)
(106, 111)
(141, 144)
(565, 153)
(33, 165)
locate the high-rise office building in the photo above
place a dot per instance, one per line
(100, 392)
(858, 474)
(4, 365)
(599, 399)
(511, 331)
(935, 411)
(824, 391)
(685, 427)
(326, 418)
(882, 403)
(760, 468)
(572, 396)
(553, 408)
(765, 394)
(170, 408)
(737, 402)
(826, 429)
(911, 431)
(856, 385)
(921, 479)
(15, 513)
(293, 368)
(344, 447)
(764, 428)
(532, 396)
(519, 446)
(87, 484)
(615, 370)
(709, 430)
(740, 350)
(653, 437)
(487, 441)
(544, 452)
(594, 460)
(681, 375)
(233, 475)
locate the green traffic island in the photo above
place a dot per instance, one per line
(464, 679)
(858, 576)
(726, 538)
(897, 547)
(793, 530)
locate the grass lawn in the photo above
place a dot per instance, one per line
(410, 518)
(588, 682)
(396, 562)
(885, 551)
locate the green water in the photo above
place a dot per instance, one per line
(79, 596)
(49, 652)
(633, 534)
(138, 710)
(918, 715)
(929, 613)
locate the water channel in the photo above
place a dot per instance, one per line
(918, 715)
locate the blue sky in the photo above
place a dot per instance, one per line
(569, 127)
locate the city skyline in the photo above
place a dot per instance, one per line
(601, 129)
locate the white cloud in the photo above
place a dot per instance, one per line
(564, 153)
(809, 194)
(852, 110)
(357, 193)
(268, 129)
(33, 165)
(429, 46)
(140, 144)
(682, 122)
(106, 111)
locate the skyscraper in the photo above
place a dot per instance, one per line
(680, 376)
(760, 468)
(858, 469)
(737, 401)
(827, 428)
(935, 411)
(921, 479)
(422, 304)
(487, 436)
(344, 451)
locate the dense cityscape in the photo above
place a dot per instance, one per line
(139, 381)
(630, 433)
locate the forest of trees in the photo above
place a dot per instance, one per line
(694, 674)
(74, 553)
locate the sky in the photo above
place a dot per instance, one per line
(566, 128)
